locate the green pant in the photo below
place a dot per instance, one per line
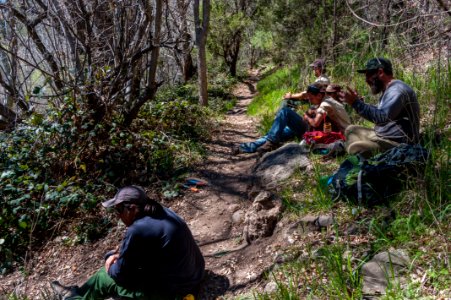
(101, 286)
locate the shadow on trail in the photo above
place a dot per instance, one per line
(231, 132)
(214, 286)
(228, 184)
(251, 87)
(244, 97)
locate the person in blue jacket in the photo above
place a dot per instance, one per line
(396, 118)
(158, 258)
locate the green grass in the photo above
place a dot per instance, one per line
(416, 220)
(271, 90)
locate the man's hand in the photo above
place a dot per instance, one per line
(110, 261)
(287, 95)
(349, 96)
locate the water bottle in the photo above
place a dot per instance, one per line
(327, 127)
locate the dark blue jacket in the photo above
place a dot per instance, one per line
(159, 254)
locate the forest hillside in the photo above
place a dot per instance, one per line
(97, 95)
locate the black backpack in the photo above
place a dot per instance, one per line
(374, 181)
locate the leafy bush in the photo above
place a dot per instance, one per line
(55, 166)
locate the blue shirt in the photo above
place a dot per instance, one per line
(159, 254)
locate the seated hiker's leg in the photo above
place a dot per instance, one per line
(365, 149)
(359, 141)
(384, 144)
(356, 133)
(102, 286)
(286, 118)
(363, 141)
(252, 147)
(287, 134)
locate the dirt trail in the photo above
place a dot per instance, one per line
(215, 215)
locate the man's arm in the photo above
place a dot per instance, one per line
(391, 104)
(110, 261)
(389, 108)
(297, 96)
(315, 121)
(120, 266)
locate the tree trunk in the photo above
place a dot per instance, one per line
(201, 39)
(234, 57)
(10, 117)
(334, 33)
(152, 86)
(187, 66)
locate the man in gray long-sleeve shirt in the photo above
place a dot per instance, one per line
(396, 118)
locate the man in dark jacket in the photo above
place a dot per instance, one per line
(158, 258)
(396, 118)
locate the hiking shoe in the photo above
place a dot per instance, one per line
(336, 149)
(236, 150)
(64, 292)
(267, 147)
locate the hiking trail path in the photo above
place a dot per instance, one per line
(216, 213)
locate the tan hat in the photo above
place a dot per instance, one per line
(333, 88)
(318, 63)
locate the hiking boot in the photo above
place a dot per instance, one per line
(64, 292)
(236, 150)
(267, 147)
(336, 149)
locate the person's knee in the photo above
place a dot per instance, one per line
(348, 130)
(283, 112)
(352, 129)
(362, 148)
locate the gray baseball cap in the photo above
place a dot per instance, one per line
(130, 194)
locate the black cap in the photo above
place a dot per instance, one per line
(376, 63)
(314, 90)
(129, 194)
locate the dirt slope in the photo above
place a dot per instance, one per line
(214, 214)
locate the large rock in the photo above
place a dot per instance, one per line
(262, 217)
(280, 164)
(384, 268)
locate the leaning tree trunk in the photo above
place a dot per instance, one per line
(201, 40)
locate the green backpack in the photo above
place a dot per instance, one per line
(374, 181)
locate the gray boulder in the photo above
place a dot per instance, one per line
(280, 164)
(383, 269)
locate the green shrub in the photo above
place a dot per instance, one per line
(55, 166)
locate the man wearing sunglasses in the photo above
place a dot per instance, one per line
(396, 118)
(158, 258)
(289, 124)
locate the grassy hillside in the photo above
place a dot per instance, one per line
(417, 220)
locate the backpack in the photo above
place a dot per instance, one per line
(320, 137)
(375, 180)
